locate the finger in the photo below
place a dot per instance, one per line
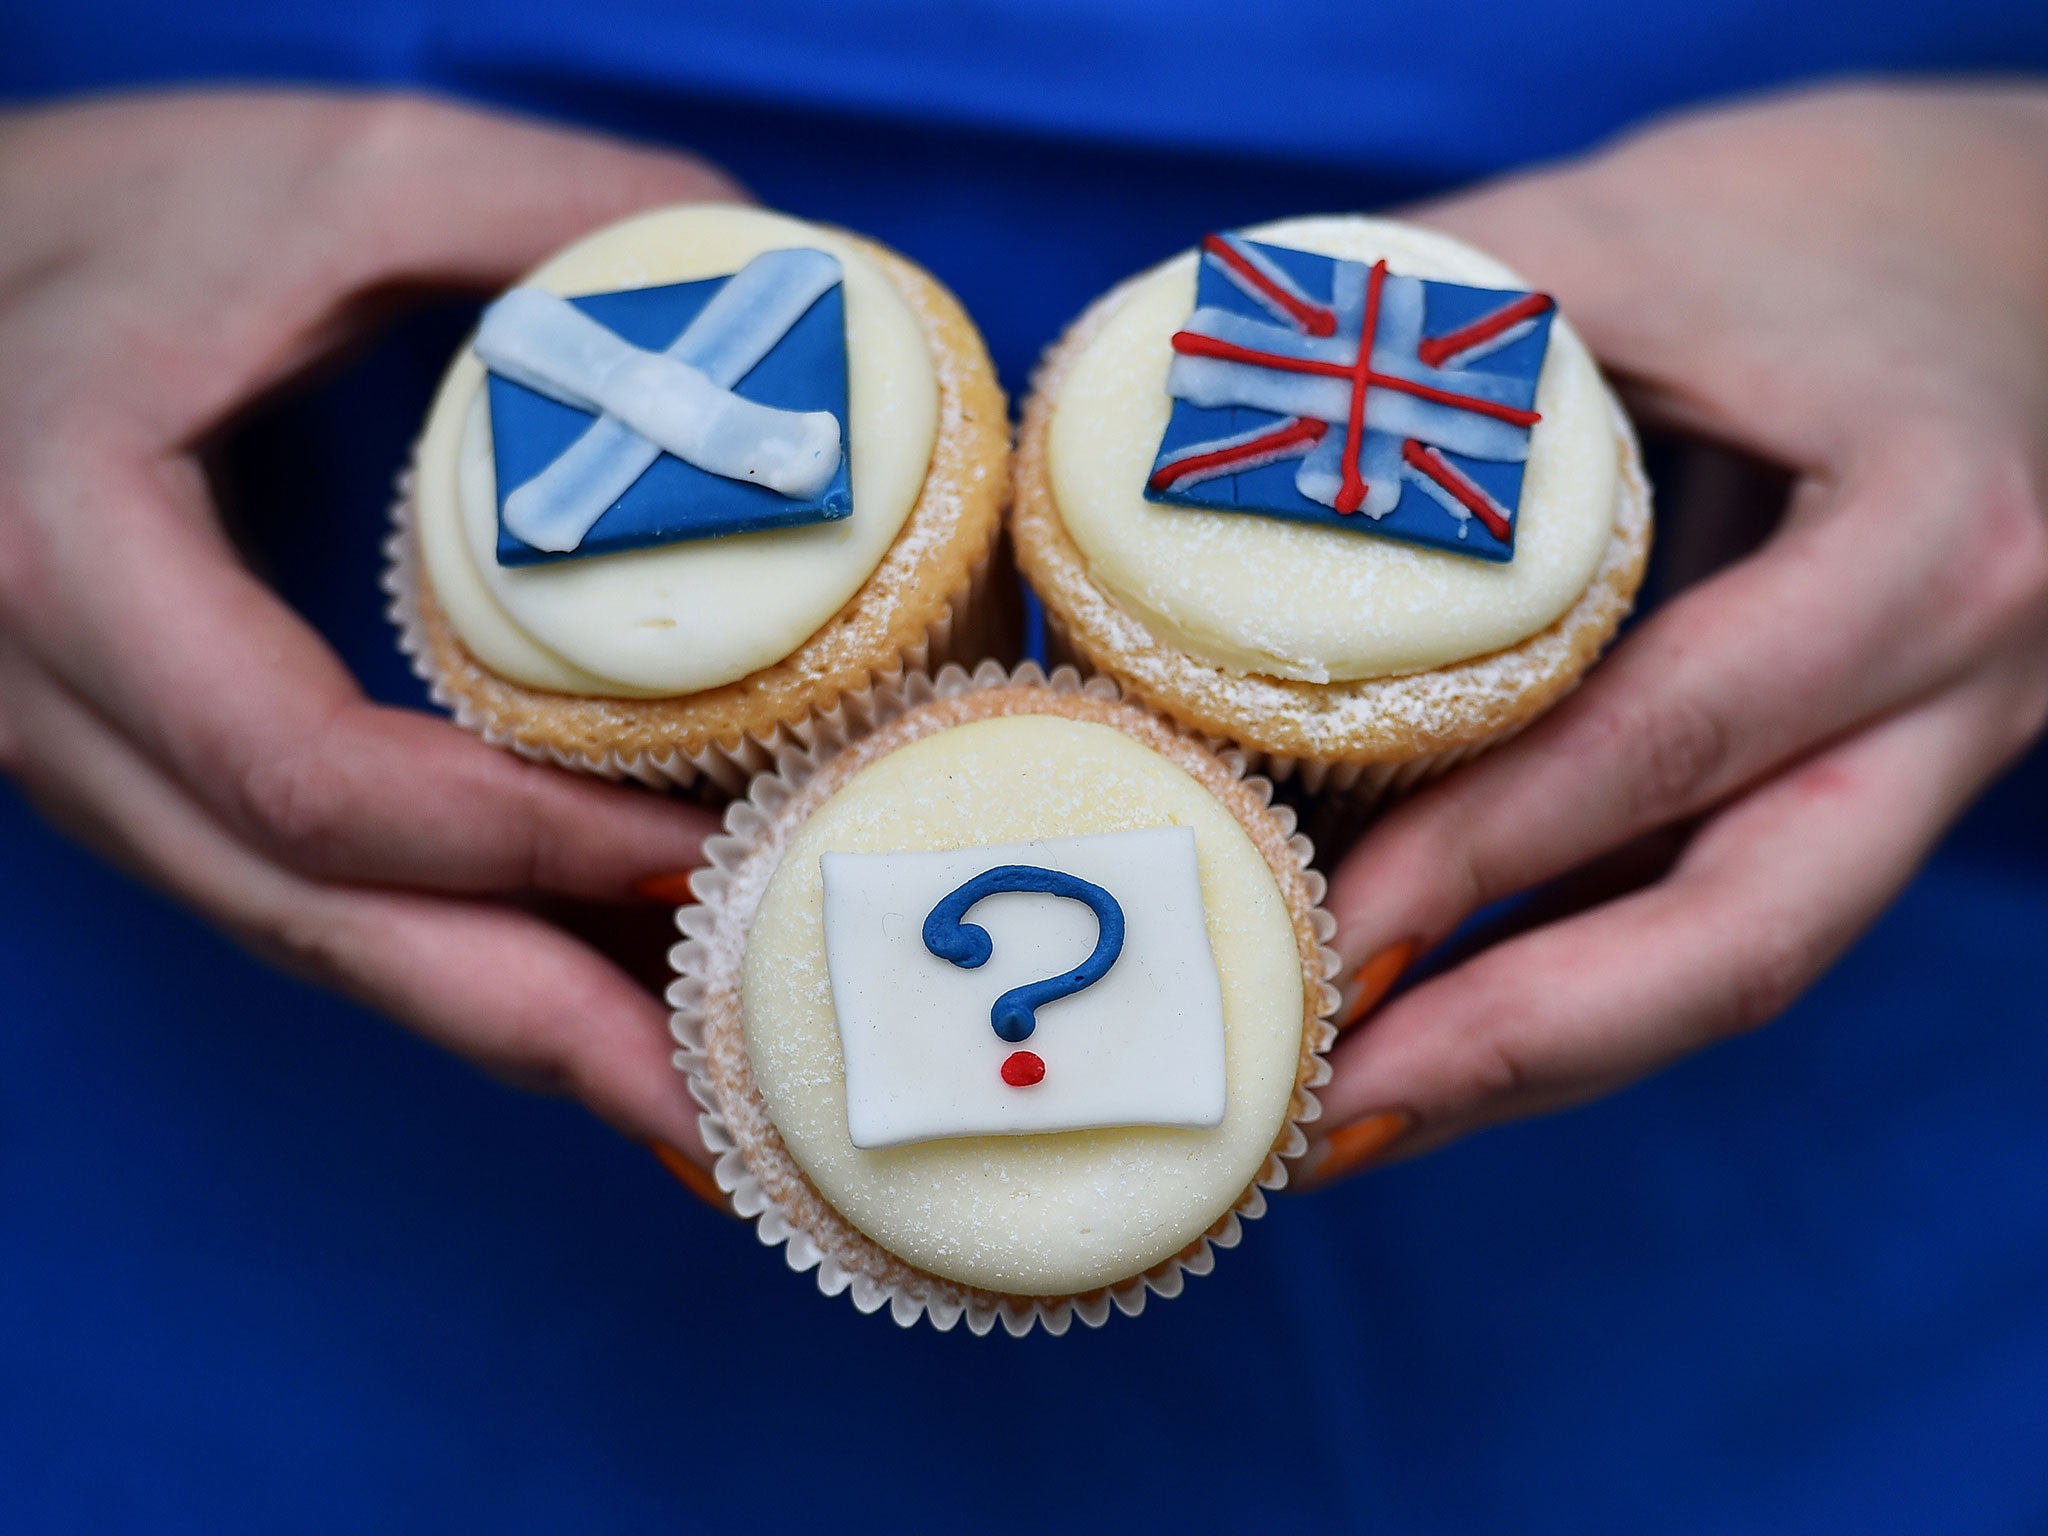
(150, 615)
(512, 993)
(1842, 617)
(431, 192)
(124, 585)
(508, 991)
(1761, 902)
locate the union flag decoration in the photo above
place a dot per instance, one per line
(1328, 391)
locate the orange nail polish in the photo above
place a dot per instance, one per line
(691, 1177)
(1353, 1146)
(670, 890)
(1373, 980)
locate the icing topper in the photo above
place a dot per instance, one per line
(1014, 1015)
(1095, 948)
(1420, 433)
(655, 415)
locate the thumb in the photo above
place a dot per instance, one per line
(431, 191)
(1654, 299)
(1785, 275)
(273, 216)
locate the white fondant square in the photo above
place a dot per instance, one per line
(1142, 1046)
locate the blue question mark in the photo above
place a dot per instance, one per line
(949, 935)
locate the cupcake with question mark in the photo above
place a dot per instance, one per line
(1007, 1007)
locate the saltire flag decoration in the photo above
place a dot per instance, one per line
(1328, 391)
(655, 415)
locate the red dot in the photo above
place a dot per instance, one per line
(1022, 1069)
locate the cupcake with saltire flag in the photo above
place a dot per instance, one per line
(701, 476)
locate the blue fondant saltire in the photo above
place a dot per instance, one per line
(949, 935)
(1326, 391)
(656, 415)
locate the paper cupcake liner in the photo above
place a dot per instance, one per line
(976, 621)
(729, 888)
(1363, 783)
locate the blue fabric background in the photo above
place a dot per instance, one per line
(269, 1265)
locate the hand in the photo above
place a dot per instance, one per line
(1854, 286)
(163, 263)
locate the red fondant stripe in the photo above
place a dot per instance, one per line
(1514, 415)
(1202, 466)
(1313, 318)
(1435, 349)
(1474, 499)
(1194, 344)
(1351, 488)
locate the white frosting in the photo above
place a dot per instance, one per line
(690, 616)
(1047, 1214)
(1143, 1045)
(1261, 595)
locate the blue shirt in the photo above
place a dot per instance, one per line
(268, 1264)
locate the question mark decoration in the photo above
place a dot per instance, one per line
(1014, 1015)
(1121, 959)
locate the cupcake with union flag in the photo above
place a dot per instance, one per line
(1342, 491)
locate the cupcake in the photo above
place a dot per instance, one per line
(1005, 1004)
(1361, 564)
(700, 476)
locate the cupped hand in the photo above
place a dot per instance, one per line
(163, 263)
(1852, 285)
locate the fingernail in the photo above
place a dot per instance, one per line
(669, 890)
(1372, 981)
(1350, 1148)
(691, 1177)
